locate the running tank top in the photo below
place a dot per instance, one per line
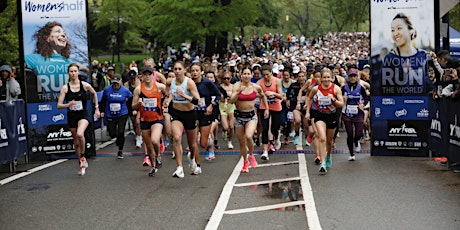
(323, 101)
(151, 111)
(274, 104)
(183, 86)
(79, 97)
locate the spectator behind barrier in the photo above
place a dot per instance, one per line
(9, 87)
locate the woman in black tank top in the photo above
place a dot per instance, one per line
(74, 93)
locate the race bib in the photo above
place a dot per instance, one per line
(150, 104)
(324, 101)
(257, 101)
(115, 107)
(203, 103)
(271, 100)
(290, 116)
(77, 107)
(352, 109)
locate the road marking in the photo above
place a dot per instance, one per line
(221, 205)
(266, 182)
(310, 207)
(30, 171)
(264, 208)
(278, 163)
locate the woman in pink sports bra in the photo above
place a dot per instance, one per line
(244, 95)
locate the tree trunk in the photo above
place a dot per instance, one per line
(210, 46)
(222, 44)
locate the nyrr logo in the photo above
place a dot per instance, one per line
(404, 131)
(21, 130)
(455, 129)
(61, 133)
(3, 134)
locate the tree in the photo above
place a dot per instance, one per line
(123, 18)
(9, 44)
(348, 13)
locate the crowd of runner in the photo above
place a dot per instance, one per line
(267, 98)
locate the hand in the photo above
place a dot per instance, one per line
(208, 110)
(225, 107)
(98, 114)
(180, 92)
(140, 103)
(1, 83)
(307, 116)
(102, 114)
(266, 114)
(134, 112)
(71, 103)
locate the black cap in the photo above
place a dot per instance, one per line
(132, 74)
(318, 68)
(147, 69)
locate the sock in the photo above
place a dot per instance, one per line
(198, 165)
(215, 142)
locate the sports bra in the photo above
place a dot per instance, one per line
(247, 97)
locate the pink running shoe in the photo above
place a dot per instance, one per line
(253, 161)
(245, 167)
(162, 146)
(147, 161)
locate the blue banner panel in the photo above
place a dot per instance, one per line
(438, 138)
(13, 139)
(453, 130)
(399, 138)
(400, 108)
(46, 113)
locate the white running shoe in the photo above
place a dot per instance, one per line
(358, 148)
(277, 144)
(230, 145)
(265, 156)
(138, 142)
(352, 158)
(197, 171)
(179, 173)
(192, 164)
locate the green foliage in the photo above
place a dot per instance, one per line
(454, 16)
(9, 41)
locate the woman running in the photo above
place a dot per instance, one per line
(74, 93)
(244, 95)
(328, 97)
(227, 117)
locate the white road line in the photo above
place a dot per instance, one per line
(266, 181)
(30, 171)
(310, 207)
(278, 163)
(265, 208)
(221, 205)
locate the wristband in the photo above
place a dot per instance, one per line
(194, 101)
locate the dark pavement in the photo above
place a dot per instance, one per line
(370, 193)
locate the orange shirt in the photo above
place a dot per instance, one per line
(151, 111)
(274, 104)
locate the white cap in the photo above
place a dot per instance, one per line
(281, 67)
(296, 70)
(232, 63)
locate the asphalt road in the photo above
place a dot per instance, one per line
(285, 192)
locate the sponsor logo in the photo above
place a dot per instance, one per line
(377, 112)
(3, 133)
(33, 118)
(31, 6)
(59, 117)
(21, 130)
(59, 134)
(388, 101)
(414, 101)
(400, 113)
(423, 113)
(45, 107)
(454, 129)
(403, 131)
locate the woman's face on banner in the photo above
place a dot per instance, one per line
(58, 37)
(400, 32)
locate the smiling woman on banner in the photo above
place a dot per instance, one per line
(403, 69)
(50, 59)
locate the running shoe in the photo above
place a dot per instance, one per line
(286, 141)
(216, 145)
(179, 173)
(230, 145)
(210, 155)
(271, 148)
(277, 144)
(265, 156)
(196, 171)
(83, 162)
(358, 148)
(328, 162)
(81, 171)
(152, 171)
(120, 154)
(352, 158)
(192, 164)
(252, 161)
(317, 160)
(309, 140)
(296, 140)
(173, 155)
(322, 169)
(456, 169)
(146, 161)
(158, 163)
(138, 142)
(245, 167)
(166, 143)
(292, 134)
(162, 146)
(257, 141)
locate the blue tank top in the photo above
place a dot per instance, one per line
(176, 97)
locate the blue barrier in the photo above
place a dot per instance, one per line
(444, 130)
(13, 139)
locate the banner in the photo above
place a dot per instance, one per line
(54, 36)
(402, 37)
(13, 139)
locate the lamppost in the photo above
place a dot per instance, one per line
(114, 41)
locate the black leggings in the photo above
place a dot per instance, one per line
(116, 128)
(353, 135)
(276, 122)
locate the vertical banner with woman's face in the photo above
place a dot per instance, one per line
(402, 38)
(54, 36)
